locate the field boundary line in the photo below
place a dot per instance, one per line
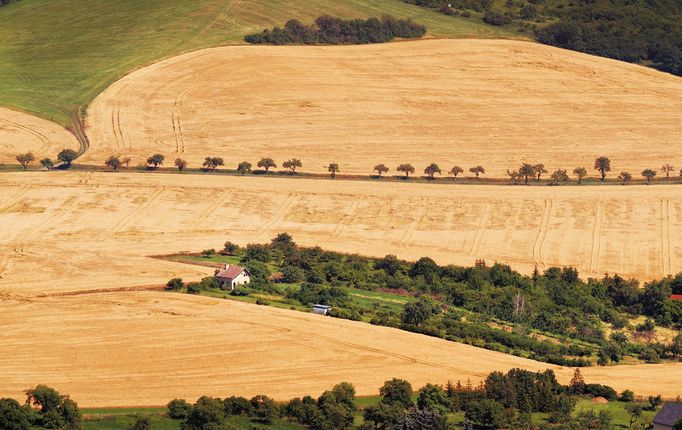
(279, 214)
(125, 221)
(666, 258)
(347, 218)
(596, 236)
(412, 226)
(215, 204)
(480, 232)
(542, 234)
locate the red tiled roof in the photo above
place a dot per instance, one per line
(676, 297)
(231, 272)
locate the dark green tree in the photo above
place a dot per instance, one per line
(47, 163)
(178, 409)
(397, 391)
(433, 398)
(156, 160)
(244, 167)
(67, 156)
(113, 162)
(13, 416)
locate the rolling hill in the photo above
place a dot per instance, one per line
(53, 72)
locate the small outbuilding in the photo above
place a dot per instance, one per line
(321, 309)
(232, 276)
(669, 415)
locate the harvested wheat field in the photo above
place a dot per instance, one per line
(69, 231)
(145, 348)
(495, 103)
(21, 132)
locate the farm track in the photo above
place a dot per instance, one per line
(480, 232)
(347, 218)
(666, 253)
(542, 235)
(125, 221)
(279, 214)
(596, 237)
(217, 203)
(412, 226)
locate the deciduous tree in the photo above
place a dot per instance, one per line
(113, 162)
(266, 163)
(526, 170)
(292, 164)
(381, 169)
(212, 163)
(603, 164)
(244, 167)
(180, 164)
(47, 163)
(649, 174)
(67, 156)
(477, 170)
(580, 172)
(539, 170)
(625, 177)
(156, 160)
(431, 170)
(333, 169)
(25, 159)
(456, 170)
(559, 175)
(406, 168)
(667, 169)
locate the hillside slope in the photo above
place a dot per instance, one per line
(495, 103)
(145, 348)
(82, 230)
(57, 56)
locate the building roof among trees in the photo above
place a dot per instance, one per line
(676, 297)
(231, 272)
(669, 415)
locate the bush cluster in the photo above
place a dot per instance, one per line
(329, 30)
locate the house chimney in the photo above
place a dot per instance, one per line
(226, 266)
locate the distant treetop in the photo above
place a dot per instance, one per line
(329, 30)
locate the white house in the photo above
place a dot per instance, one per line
(231, 276)
(668, 416)
(321, 309)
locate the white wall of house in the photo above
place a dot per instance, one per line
(241, 279)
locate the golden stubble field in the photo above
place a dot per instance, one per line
(71, 232)
(495, 103)
(21, 133)
(65, 231)
(145, 348)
